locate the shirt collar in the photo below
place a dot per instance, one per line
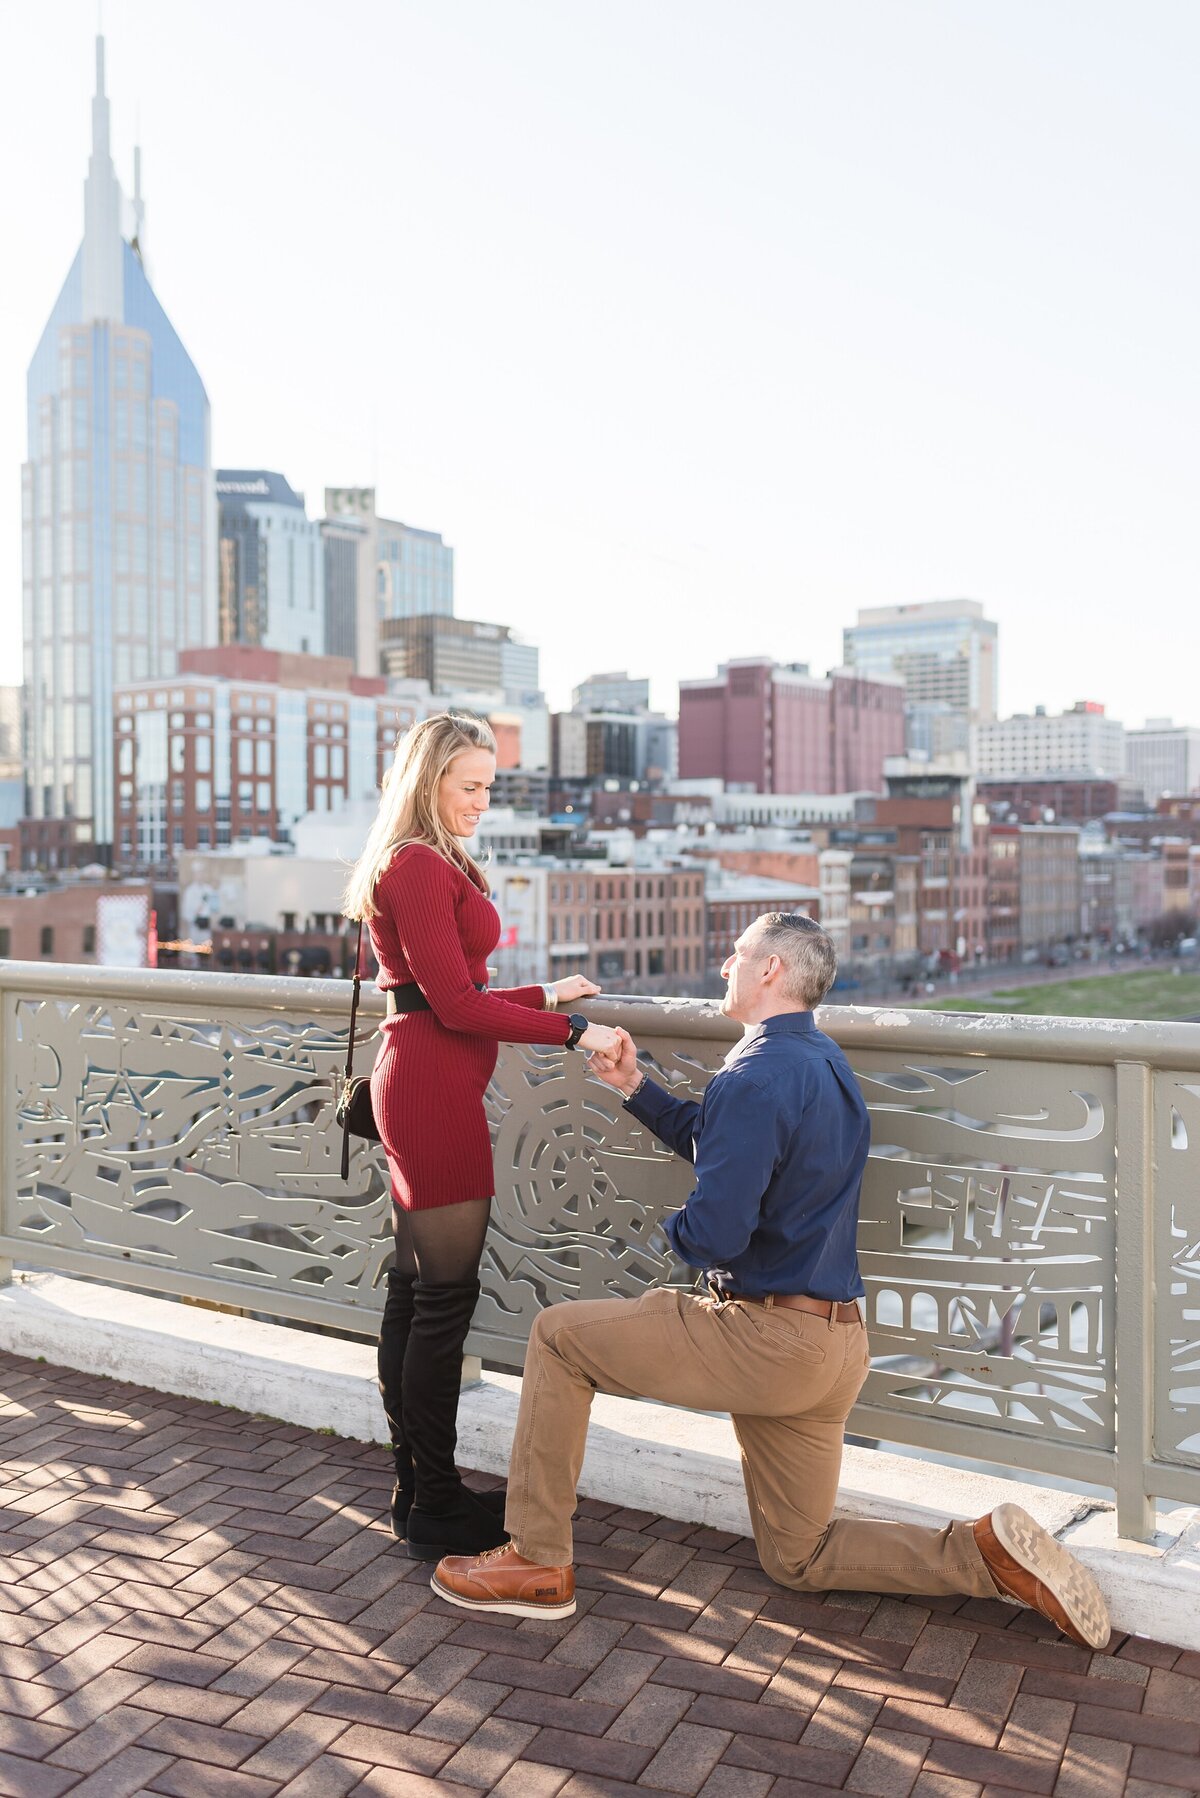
(786, 1023)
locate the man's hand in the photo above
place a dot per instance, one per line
(619, 1068)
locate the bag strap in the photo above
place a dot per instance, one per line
(350, 1050)
(354, 1002)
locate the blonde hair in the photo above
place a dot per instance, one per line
(408, 806)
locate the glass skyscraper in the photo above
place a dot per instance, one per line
(118, 509)
(401, 573)
(270, 562)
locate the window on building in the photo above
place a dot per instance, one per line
(89, 939)
(655, 960)
(203, 837)
(203, 795)
(177, 795)
(47, 939)
(263, 801)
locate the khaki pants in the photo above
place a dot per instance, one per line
(787, 1378)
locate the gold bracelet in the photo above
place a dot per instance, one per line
(551, 998)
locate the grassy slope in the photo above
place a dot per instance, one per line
(1146, 993)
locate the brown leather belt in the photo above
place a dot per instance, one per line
(838, 1311)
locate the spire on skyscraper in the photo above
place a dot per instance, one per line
(138, 240)
(102, 283)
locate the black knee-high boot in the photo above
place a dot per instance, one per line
(445, 1517)
(393, 1342)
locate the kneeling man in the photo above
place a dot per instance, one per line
(779, 1143)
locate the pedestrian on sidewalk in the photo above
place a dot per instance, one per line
(432, 924)
(779, 1143)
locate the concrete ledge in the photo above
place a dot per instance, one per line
(683, 1464)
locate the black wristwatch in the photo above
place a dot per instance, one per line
(578, 1024)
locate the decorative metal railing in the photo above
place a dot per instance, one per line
(1030, 1234)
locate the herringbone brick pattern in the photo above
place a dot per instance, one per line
(195, 1602)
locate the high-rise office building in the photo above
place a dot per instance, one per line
(118, 514)
(402, 572)
(452, 654)
(1163, 757)
(945, 652)
(519, 669)
(611, 693)
(1083, 741)
(271, 560)
(346, 543)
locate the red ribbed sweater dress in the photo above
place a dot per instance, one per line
(434, 925)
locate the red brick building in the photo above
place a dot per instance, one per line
(780, 730)
(630, 927)
(241, 743)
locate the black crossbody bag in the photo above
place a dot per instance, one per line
(355, 1112)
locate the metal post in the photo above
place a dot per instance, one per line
(1133, 1369)
(7, 1128)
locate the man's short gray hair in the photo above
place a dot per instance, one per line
(807, 953)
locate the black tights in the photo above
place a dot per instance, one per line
(432, 1291)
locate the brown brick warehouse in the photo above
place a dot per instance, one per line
(196, 1601)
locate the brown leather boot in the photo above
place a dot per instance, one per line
(503, 1580)
(1028, 1564)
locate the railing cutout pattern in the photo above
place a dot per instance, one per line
(176, 1133)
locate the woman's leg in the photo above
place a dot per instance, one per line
(394, 1332)
(447, 1243)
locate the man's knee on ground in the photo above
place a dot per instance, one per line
(787, 1561)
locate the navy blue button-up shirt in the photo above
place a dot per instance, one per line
(779, 1143)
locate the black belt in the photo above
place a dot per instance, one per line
(403, 999)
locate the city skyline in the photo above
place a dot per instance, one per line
(972, 426)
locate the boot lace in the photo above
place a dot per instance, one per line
(493, 1554)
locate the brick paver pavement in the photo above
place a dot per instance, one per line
(195, 1602)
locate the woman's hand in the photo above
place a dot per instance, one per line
(598, 1039)
(575, 986)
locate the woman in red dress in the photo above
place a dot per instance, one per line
(433, 926)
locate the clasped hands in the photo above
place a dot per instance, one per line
(616, 1065)
(612, 1054)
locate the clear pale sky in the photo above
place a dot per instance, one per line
(693, 325)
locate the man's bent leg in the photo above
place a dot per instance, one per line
(556, 1397)
(665, 1345)
(791, 1467)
